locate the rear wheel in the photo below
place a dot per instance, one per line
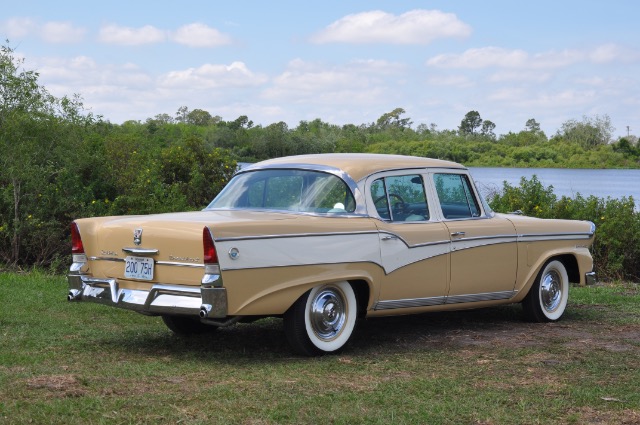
(185, 325)
(322, 320)
(547, 298)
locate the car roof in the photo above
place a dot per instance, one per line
(359, 165)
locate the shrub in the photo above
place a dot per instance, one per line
(616, 252)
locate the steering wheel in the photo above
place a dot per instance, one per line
(397, 207)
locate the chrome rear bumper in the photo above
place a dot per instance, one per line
(159, 299)
(590, 278)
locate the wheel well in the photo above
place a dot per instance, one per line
(361, 289)
(571, 264)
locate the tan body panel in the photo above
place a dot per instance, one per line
(490, 265)
(268, 259)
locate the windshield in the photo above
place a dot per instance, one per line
(286, 190)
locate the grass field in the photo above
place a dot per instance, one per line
(76, 363)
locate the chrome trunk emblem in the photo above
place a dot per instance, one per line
(137, 236)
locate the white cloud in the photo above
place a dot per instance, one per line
(18, 27)
(61, 32)
(491, 56)
(521, 75)
(209, 76)
(357, 82)
(49, 32)
(199, 35)
(115, 34)
(413, 27)
(458, 81)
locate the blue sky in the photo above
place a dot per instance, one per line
(342, 62)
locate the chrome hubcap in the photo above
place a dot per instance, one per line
(328, 314)
(551, 290)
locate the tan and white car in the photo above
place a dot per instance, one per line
(322, 240)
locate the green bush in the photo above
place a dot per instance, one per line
(616, 251)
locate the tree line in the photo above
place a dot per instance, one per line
(59, 162)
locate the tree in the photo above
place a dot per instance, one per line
(487, 129)
(532, 125)
(42, 143)
(181, 114)
(590, 132)
(470, 123)
(199, 117)
(392, 120)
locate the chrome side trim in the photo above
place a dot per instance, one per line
(553, 236)
(295, 235)
(487, 296)
(433, 301)
(418, 245)
(117, 260)
(177, 264)
(408, 303)
(161, 263)
(143, 252)
(479, 238)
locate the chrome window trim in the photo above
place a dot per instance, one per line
(342, 175)
(303, 213)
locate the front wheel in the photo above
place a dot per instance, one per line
(547, 298)
(322, 320)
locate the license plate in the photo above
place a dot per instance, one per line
(138, 268)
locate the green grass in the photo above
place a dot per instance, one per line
(78, 363)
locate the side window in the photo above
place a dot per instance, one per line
(456, 196)
(400, 198)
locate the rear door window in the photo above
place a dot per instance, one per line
(400, 198)
(456, 196)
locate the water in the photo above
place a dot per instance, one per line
(567, 182)
(612, 183)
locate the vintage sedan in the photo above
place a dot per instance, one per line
(321, 240)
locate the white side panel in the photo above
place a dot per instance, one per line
(298, 251)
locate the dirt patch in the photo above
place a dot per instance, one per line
(590, 416)
(57, 386)
(498, 328)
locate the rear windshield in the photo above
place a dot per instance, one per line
(286, 190)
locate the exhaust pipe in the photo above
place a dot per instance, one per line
(205, 309)
(73, 295)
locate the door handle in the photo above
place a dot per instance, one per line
(389, 237)
(457, 234)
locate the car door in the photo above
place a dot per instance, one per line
(483, 246)
(414, 248)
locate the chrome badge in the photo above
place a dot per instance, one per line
(137, 236)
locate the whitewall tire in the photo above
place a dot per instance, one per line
(547, 298)
(322, 320)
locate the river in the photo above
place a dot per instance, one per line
(612, 183)
(569, 182)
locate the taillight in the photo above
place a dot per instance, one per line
(76, 241)
(210, 254)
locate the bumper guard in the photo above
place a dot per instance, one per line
(160, 299)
